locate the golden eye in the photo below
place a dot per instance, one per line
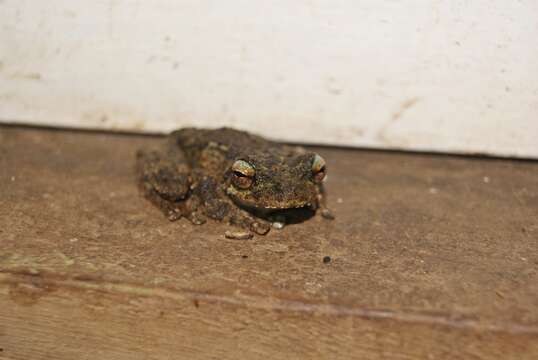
(242, 174)
(318, 168)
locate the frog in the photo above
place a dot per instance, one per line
(232, 176)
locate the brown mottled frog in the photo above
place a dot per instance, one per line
(232, 176)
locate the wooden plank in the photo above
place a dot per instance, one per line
(436, 76)
(432, 257)
(46, 317)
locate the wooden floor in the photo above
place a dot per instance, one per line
(432, 257)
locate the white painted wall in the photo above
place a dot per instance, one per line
(454, 76)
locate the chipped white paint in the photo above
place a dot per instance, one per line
(454, 76)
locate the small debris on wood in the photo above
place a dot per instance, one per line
(326, 259)
(278, 221)
(238, 235)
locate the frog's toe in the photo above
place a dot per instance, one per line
(238, 235)
(174, 215)
(196, 218)
(260, 228)
(327, 214)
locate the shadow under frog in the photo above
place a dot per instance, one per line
(233, 176)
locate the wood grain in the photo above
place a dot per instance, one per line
(431, 257)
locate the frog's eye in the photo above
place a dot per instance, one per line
(318, 168)
(242, 174)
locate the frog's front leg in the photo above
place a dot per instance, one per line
(219, 207)
(245, 220)
(321, 205)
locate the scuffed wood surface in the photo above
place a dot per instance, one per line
(432, 257)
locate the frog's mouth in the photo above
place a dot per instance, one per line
(289, 215)
(264, 206)
(294, 211)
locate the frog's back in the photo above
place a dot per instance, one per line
(193, 140)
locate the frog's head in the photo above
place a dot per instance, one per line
(269, 181)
